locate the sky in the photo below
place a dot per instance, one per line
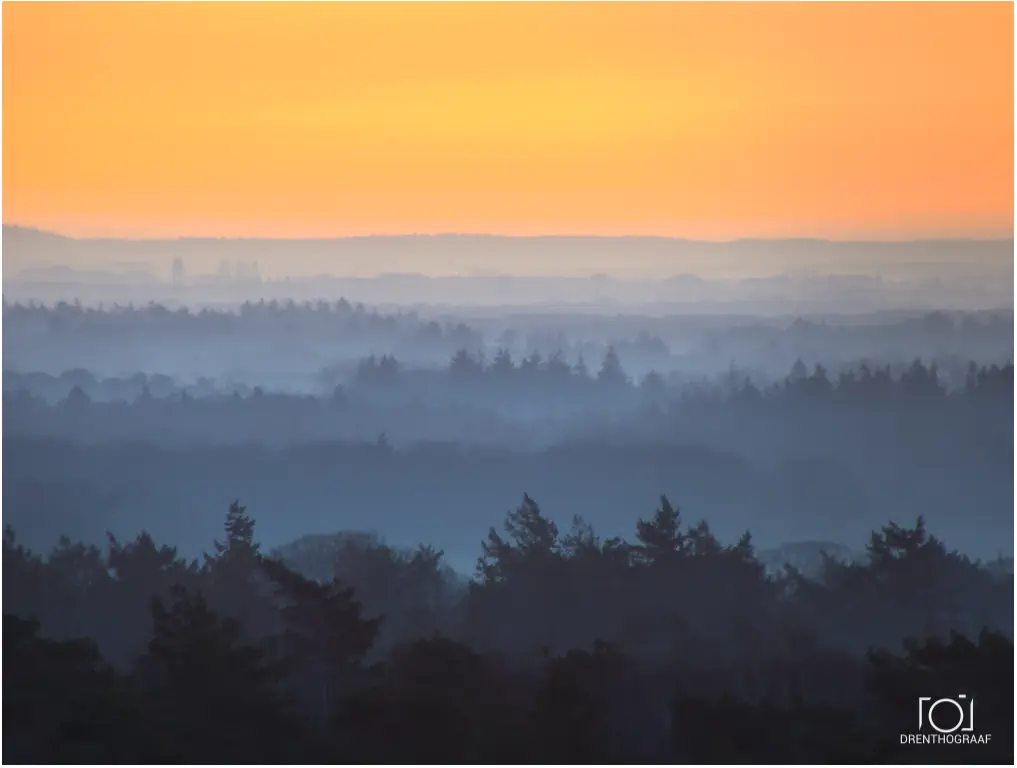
(713, 121)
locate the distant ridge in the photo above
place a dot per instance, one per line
(628, 257)
(26, 231)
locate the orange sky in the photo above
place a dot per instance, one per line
(714, 121)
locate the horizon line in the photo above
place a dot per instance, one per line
(493, 235)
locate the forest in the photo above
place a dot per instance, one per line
(309, 347)
(420, 454)
(508, 384)
(843, 544)
(565, 647)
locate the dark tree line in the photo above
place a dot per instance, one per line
(249, 317)
(384, 378)
(316, 317)
(263, 336)
(537, 402)
(313, 346)
(563, 648)
(534, 375)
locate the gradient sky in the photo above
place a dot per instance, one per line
(711, 121)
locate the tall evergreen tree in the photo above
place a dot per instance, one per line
(660, 538)
(326, 634)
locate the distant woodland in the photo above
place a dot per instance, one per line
(505, 538)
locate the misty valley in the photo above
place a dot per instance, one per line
(515, 383)
(573, 537)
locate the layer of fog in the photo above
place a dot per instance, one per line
(155, 415)
(603, 275)
(312, 348)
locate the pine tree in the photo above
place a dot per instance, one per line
(580, 370)
(502, 365)
(239, 544)
(530, 536)
(611, 373)
(660, 539)
(326, 634)
(236, 588)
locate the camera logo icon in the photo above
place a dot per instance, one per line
(947, 715)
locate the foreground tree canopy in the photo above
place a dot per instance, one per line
(564, 647)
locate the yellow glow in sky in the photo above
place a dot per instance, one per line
(694, 120)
